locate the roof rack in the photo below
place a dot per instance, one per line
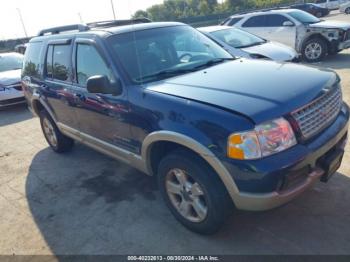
(261, 10)
(59, 29)
(87, 27)
(111, 23)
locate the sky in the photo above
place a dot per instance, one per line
(40, 14)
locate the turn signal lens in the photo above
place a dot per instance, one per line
(266, 139)
(244, 145)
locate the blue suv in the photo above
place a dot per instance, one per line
(217, 132)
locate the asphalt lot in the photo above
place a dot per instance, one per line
(86, 203)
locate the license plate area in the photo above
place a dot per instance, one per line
(330, 163)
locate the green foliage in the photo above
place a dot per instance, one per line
(172, 10)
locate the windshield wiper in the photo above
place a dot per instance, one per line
(253, 44)
(214, 62)
(164, 73)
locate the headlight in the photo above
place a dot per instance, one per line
(266, 139)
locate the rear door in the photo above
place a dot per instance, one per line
(57, 85)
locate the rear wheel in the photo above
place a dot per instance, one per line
(318, 14)
(57, 141)
(193, 192)
(347, 11)
(314, 50)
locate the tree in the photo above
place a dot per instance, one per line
(140, 14)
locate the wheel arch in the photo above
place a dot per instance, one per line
(38, 105)
(182, 141)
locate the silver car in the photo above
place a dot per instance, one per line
(345, 8)
(240, 43)
(10, 79)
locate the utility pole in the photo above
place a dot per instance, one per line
(113, 10)
(80, 18)
(20, 17)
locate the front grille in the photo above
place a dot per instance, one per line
(314, 117)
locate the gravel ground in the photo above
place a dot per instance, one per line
(86, 203)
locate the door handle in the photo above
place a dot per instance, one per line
(44, 86)
(78, 96)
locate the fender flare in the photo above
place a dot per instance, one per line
(195, 146)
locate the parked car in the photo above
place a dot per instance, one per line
(345, 8)
(243, 44)
(312, 9)
(10, 79)
(330, 4)
(215, 131)
(310, 36)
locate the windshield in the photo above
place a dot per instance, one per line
(10, 62)
(304, 17)
(237, 38)
(158, 53)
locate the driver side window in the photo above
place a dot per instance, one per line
(90, 63)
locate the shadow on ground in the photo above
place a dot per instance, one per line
(14, 114)
(86, 203)
(335, 62)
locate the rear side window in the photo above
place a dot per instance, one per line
(234, 21)
(31, 63)
(90, 63)
(256, 21)
(276, 20)
(58, 62)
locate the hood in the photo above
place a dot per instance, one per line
(260, 90)
(331, 24)
(272, 50)
(10, 77)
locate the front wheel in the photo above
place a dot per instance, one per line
(314, 50)
(193, 192)
(347, 11)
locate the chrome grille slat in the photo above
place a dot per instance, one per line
(315, 116)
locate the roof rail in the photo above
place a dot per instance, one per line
(111, 23)
(59, 29)
(87, 27)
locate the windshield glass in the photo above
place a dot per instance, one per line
(10, 62)
(237, 38)
(304, 17)
(158, 53)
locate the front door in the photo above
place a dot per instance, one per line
(281, 29)
(102, 117)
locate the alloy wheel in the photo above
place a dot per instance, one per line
(186, 195)
(313, 51)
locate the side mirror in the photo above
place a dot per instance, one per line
(288, 23)
(101, 84)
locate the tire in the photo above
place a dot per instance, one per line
(57, 141)
(318, 14)
(347, 11)
(317, 44)
(206, 193)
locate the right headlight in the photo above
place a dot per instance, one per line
(266, 139)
